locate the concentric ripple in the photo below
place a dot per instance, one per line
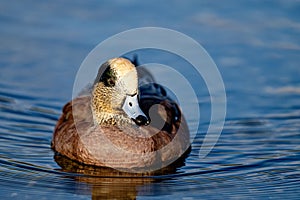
(254, 157)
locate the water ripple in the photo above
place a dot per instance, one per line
(253, 155)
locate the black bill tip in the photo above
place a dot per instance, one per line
(141, 120)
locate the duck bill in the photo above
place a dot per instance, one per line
(132, 108)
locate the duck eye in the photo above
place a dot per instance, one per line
(108, 77)
(111, 82)
(130, 104)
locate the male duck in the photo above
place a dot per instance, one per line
(121, 125)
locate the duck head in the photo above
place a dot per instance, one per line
(115, 94)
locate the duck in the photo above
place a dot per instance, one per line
(126, 122)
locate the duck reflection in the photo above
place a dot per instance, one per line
(108, 183)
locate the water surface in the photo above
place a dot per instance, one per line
(256, 47)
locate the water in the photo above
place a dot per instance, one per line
(256, 46)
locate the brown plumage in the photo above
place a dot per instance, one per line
(94, 130)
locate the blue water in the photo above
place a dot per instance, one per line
(256, 46)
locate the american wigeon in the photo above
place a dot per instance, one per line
(120, 124)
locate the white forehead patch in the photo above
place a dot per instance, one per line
(127, 79)
(129, 82)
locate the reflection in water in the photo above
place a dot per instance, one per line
(108, 183)
(253, 154)
(256, 47)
